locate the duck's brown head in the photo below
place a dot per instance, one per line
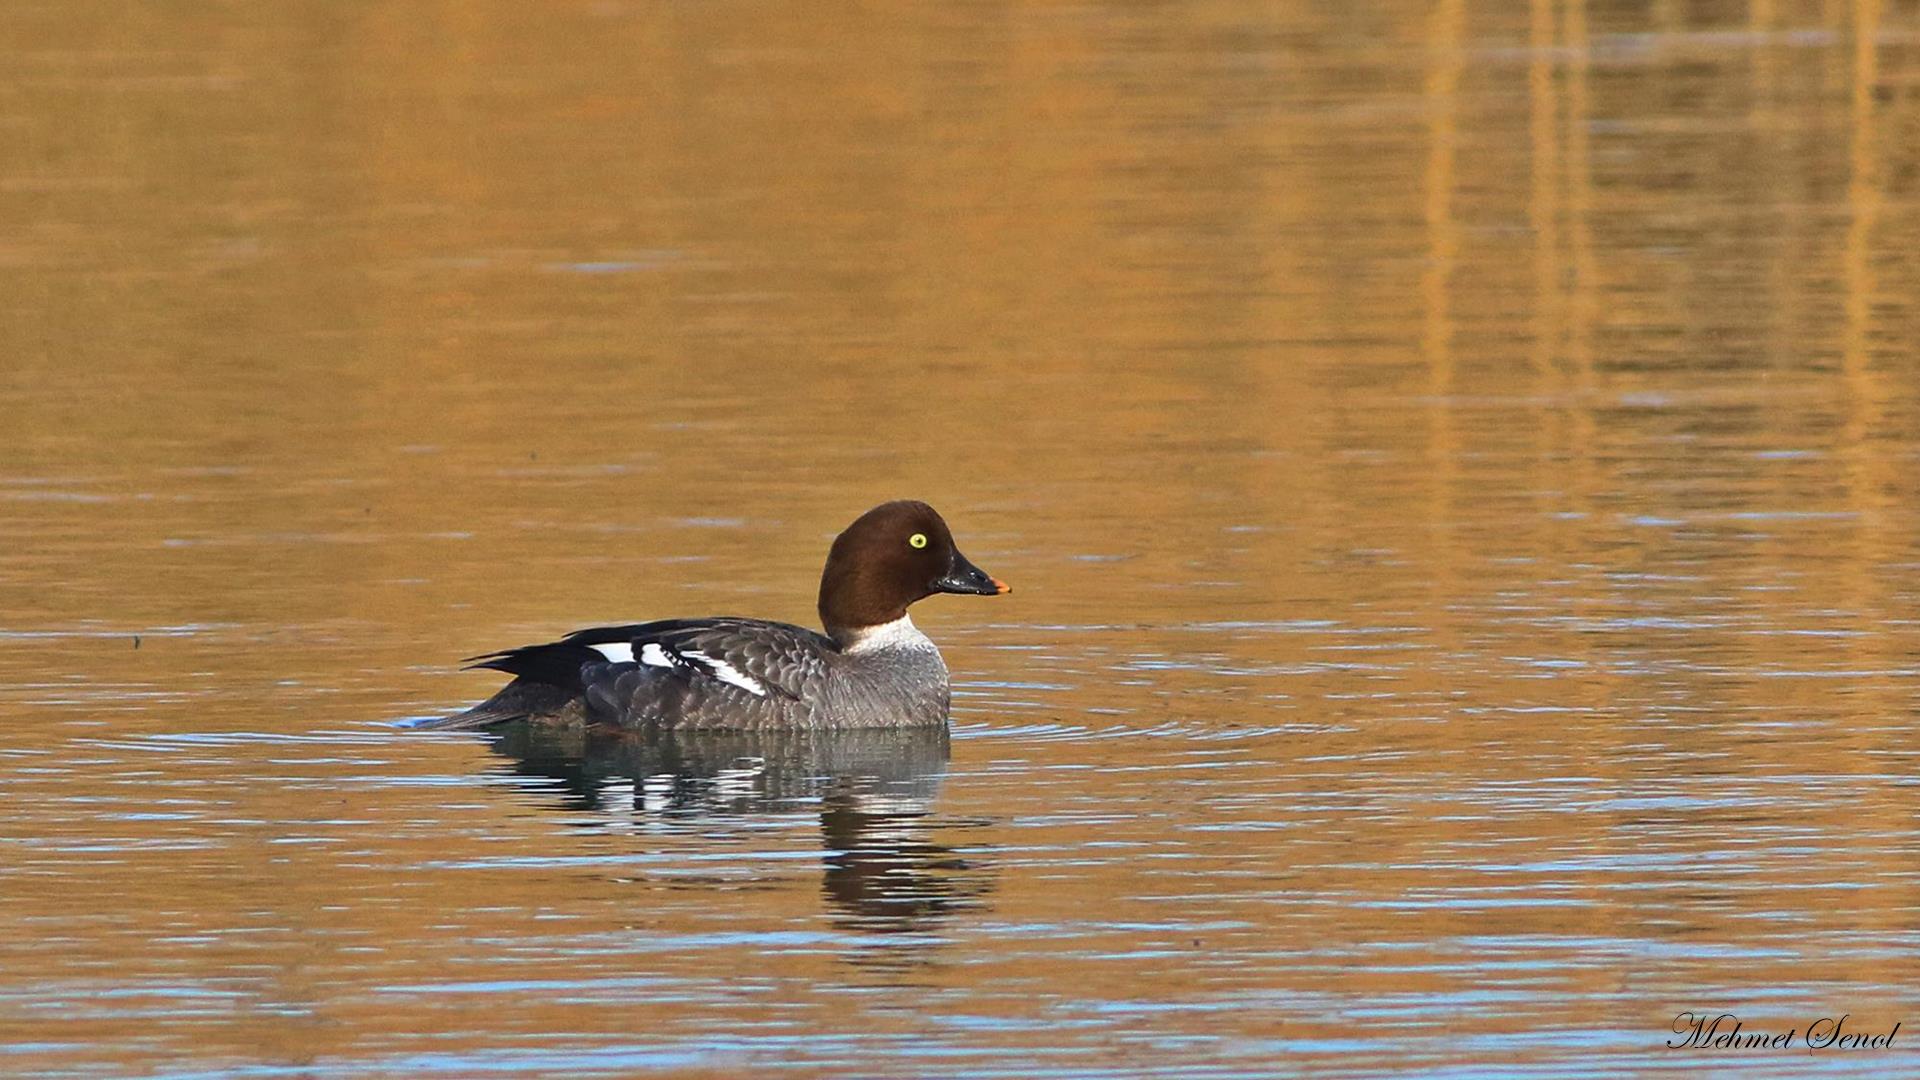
(891, 556)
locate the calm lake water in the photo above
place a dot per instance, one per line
(1459, 467)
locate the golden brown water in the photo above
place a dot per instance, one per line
(1457, 463)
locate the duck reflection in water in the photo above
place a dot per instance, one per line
(875, 788)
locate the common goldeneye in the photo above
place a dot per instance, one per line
(872, 667)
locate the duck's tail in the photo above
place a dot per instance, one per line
(521, 699)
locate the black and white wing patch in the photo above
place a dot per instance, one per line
(760, 659)
(693, 662)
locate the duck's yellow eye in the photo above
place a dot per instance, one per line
(918, 540)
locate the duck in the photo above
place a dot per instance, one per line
(870, 668)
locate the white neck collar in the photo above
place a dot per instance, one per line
(898, 634)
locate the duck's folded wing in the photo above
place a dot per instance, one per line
(742, 656)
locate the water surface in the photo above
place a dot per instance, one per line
(1457, 464)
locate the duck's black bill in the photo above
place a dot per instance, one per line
(964, 577)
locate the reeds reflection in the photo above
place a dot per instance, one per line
(874, 789)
